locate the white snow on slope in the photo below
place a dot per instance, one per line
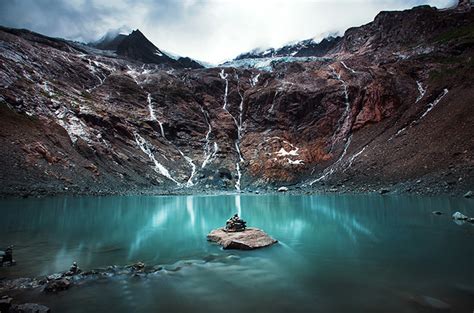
(421, 90)
(266, 64)
(254, 80)
(348, 68)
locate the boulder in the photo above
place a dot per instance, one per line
(283, 189)
(459, 216)
(250, 238)
(5, 303)
(468, 194)
(384, 191)
(57, 285)
(431, 304)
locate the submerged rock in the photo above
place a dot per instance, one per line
(459, 216)
(5, 303)
(384, 191)
(432, 304)
(250, 238)
(468, 194)
(29, 308)
(437, 213)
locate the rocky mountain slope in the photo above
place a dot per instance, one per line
(390, 105)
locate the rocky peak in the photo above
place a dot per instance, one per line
(137, 47)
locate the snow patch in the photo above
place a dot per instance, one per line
(267, 64)
(254, 80)
(421, 90)
(282, 152)
(295, 162)
(348, 68)
(73, 125)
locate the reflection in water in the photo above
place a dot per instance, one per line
(348, 222)
(238, 206)
(331, 248)
(190, 209)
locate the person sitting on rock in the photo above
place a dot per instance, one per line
(73, 270)
(235, 223)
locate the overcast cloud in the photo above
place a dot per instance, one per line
(207, 30)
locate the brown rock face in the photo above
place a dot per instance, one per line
(366, 114)
(249, 239)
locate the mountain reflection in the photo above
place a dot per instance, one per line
(51, 233)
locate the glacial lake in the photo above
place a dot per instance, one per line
(336, 253)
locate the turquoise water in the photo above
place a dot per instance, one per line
(336, 253)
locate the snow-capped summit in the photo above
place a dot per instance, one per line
(305, 48)
(137, 47)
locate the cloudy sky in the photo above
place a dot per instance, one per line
(207, 30)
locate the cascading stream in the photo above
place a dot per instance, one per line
(161, 169)
(334, 167)
(429, 107)
(344, 119)
(238, 124)
(209, 155)
(146, 147)
(224, 76)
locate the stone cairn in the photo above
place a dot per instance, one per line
(235, 224)
(6, 257)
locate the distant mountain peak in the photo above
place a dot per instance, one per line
(304, 48)
(137, 46)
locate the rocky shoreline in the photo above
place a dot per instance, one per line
(58, 282)
(417, 187)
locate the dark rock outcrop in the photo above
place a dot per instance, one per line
(137, 47)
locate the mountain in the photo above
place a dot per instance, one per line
(136, 46)
(389, 105)
(303, 48)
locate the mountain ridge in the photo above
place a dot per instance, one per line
(360, 119)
